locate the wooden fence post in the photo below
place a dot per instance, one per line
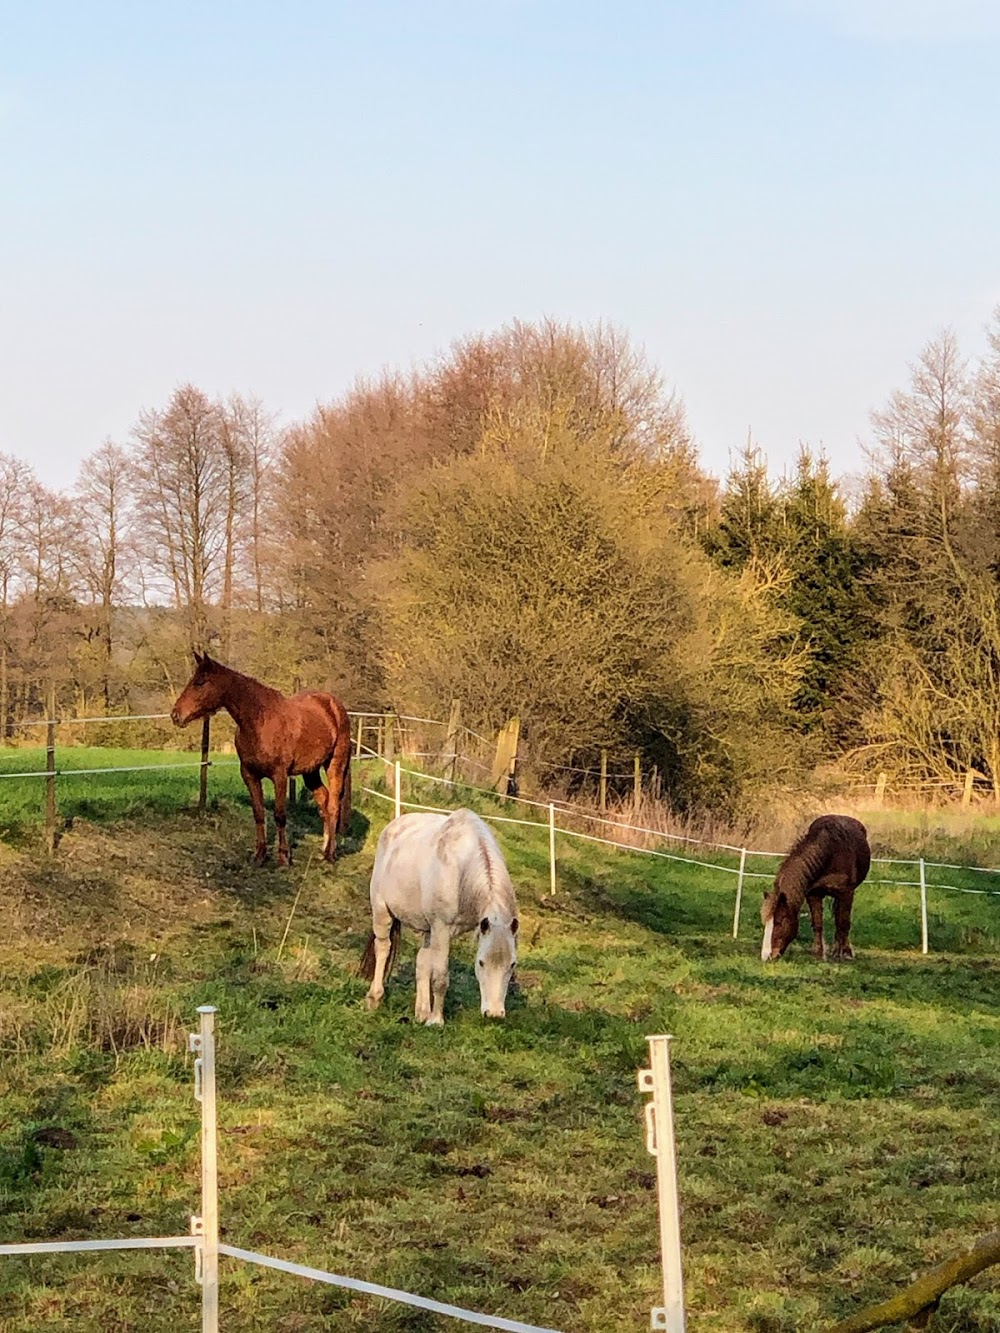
(552, 850)
(967, 789)
(637, 782)
(604, 782)
(50, 769)
(390, 737)
(451, 740)
(506, 756)
(880, 788)
(206, 741)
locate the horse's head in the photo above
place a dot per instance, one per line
(496, 958)
(202, 694)
(781, 924)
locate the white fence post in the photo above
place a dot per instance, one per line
(552, 849)
(660, 1142)
(924, 945)
(398, 777)
(207, 1225)
(739, 893)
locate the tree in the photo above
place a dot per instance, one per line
(102, 552)
(747, 527)
(15, 477)
(545, 575)
(183, 500)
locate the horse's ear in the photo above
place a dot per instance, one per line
(513, 926)
(198, 659)
(484, 925)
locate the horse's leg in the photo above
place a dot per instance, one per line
(816, 912)
(280, 780)
(440, 944)
(314, 782)
(257, 801)
(422, 1008)
(381, 928)
(842, 904)
(329, 819)
(335, 782)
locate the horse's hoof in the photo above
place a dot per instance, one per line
(260, 858)
(371, 1002)
(434, 1022)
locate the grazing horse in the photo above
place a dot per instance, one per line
(441, 875)
(277, 737)
(830, 860)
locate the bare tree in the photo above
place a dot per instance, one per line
(15, 477)
(182, 488)
(101, 555)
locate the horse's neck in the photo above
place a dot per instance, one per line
(246, 699)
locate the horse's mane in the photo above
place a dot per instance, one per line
(491, 872)
(802, 864)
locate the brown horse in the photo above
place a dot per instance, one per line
(277, 737)
(830, 860)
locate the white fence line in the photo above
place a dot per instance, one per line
(386, 1293)
(204, 1237)
(563, 806)
(569, 809)
(129, 768)
(87, 1246)
(742, 874)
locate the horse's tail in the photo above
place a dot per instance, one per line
(366, 970)
(344, 814)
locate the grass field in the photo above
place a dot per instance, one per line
(837, 1126)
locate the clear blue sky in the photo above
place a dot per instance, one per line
(781, 199)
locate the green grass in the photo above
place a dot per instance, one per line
(837, 1126)
(163, 790)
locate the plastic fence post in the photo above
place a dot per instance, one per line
(207, 1225)
(660, 1142)
(739, 893)
(924, 944)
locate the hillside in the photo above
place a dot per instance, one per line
(836, 1125)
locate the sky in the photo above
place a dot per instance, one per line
(780, 200)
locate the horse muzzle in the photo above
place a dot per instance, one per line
(494, 1013)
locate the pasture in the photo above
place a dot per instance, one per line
(837, 1125)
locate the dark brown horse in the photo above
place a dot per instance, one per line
(277, 737)
(830, 860)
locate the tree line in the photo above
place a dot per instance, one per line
(524, 525)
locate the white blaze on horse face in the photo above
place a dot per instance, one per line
(495, 960)
(765, 952)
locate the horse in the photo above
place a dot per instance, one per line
(276, 738)
(441, 875)
(830, 860)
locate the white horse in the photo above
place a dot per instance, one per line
(441, 875)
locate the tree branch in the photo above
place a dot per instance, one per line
(927, 1290)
